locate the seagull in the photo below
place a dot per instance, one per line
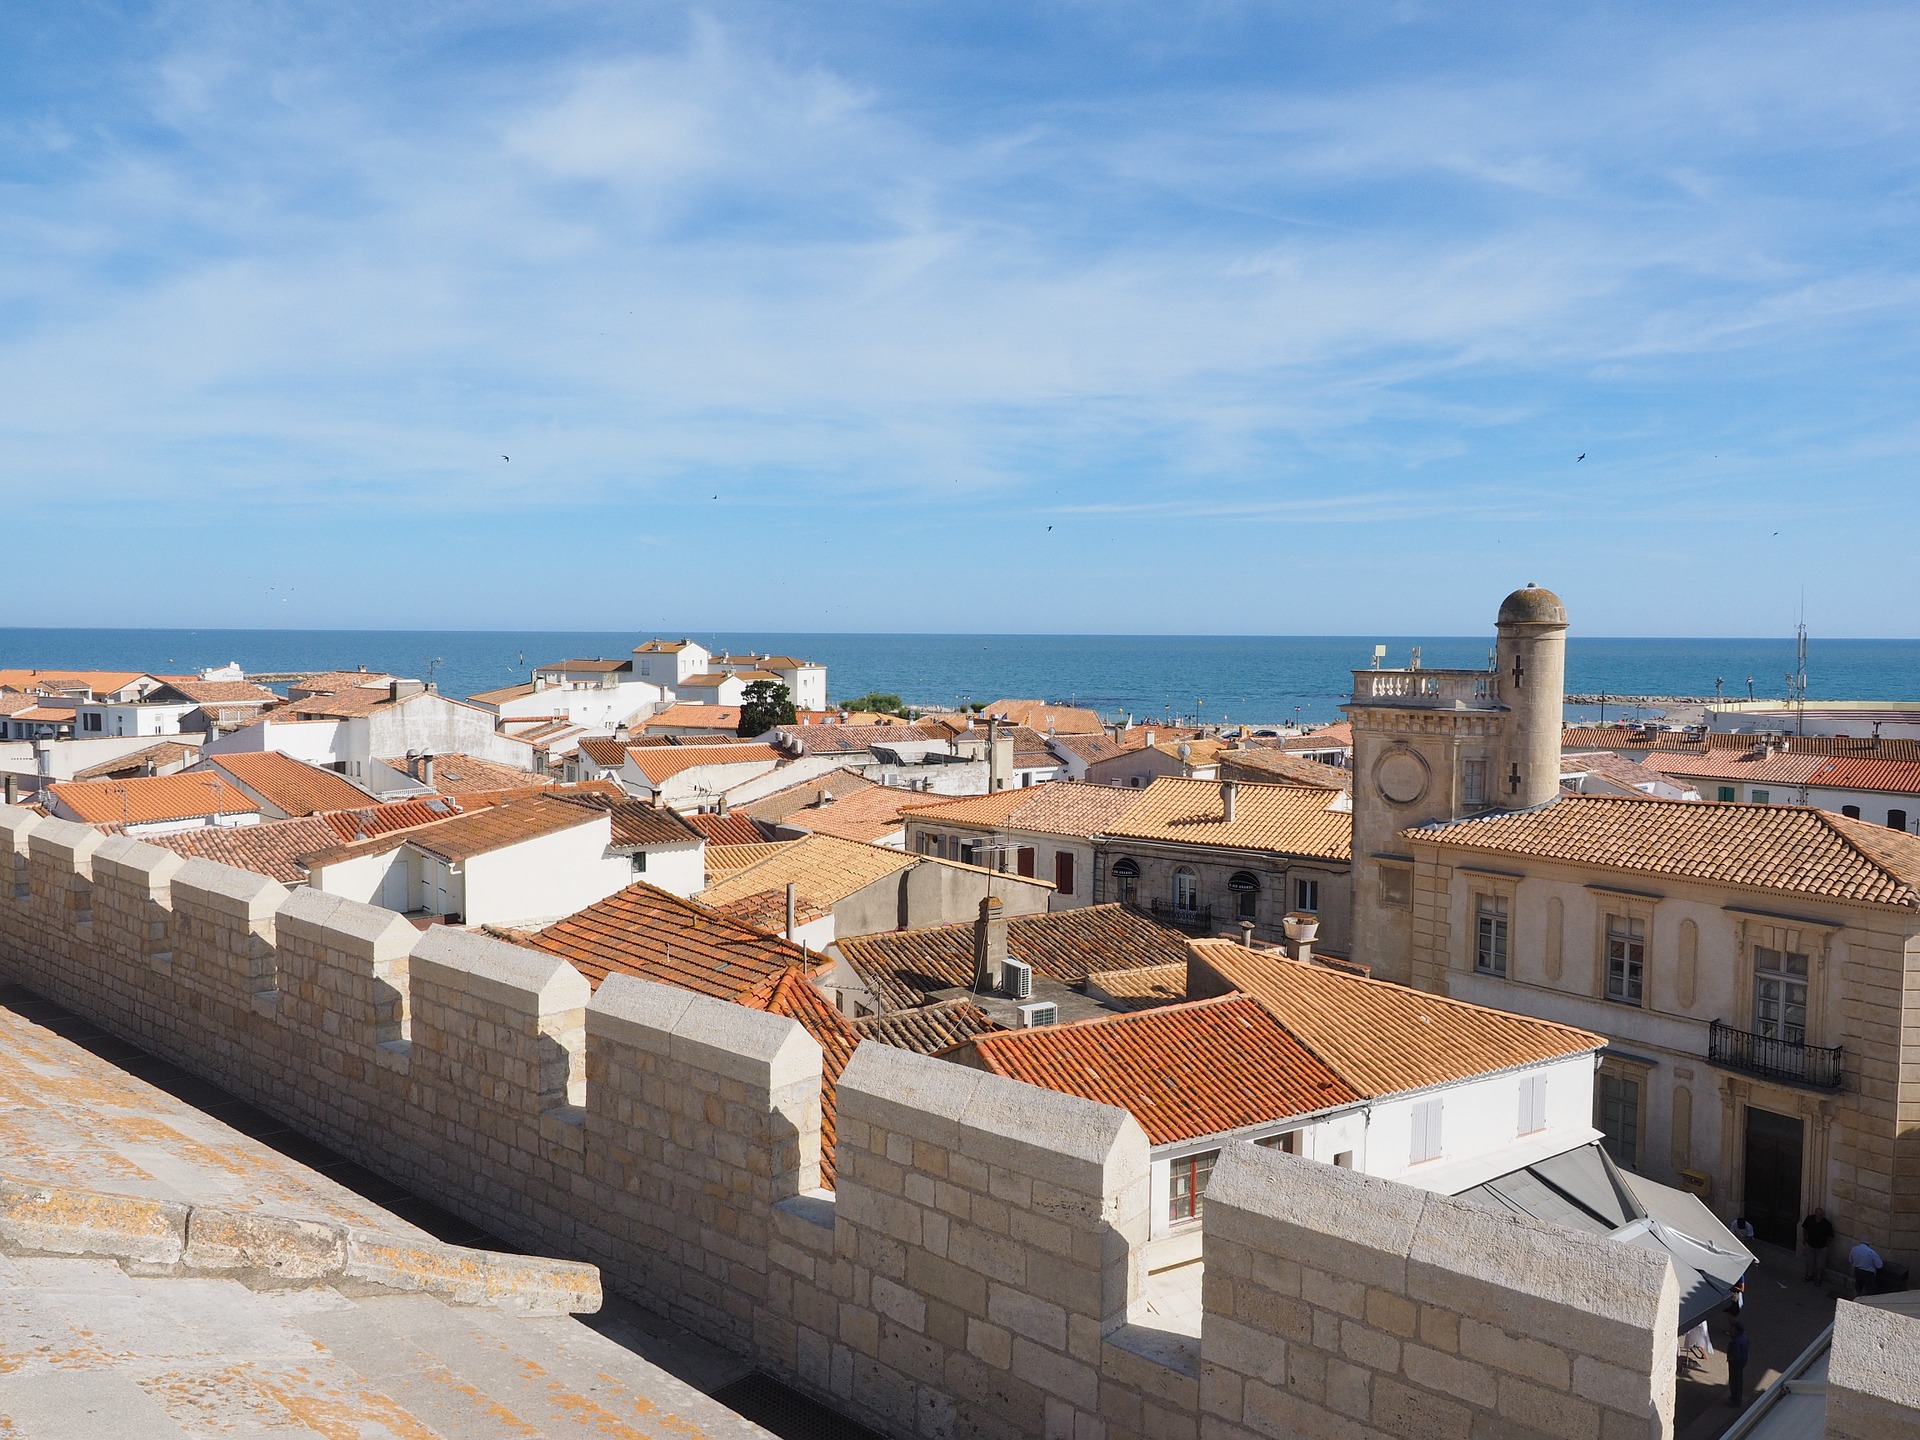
(1049, 527)
(507, 458)
(1581, 456)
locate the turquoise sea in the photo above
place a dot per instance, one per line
(1260, 678)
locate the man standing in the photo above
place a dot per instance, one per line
(1816, 1233)
(1866, 1268)
(1736, 1363)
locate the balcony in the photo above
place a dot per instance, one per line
(1427, 689)
(1186, 918)
(1775, 1059)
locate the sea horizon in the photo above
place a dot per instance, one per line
(1219, 678)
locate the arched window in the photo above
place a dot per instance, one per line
(1186, 890)
(1246, 895)
(1126, 880)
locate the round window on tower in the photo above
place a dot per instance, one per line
(1401, 776)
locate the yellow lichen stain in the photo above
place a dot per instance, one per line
(340, 1414)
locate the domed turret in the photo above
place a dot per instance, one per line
(1532, 606)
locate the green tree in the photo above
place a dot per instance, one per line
(874, 702)
(765, 704)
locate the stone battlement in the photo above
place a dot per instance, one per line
(976, 1273)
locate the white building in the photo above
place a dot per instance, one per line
(348, 730)
(519, 864)
(670, 663)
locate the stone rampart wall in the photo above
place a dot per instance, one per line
(977, 1272)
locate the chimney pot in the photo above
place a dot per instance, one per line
(793, 906)
(1229, 794)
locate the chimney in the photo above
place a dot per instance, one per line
(1302, 927)
(1246, 933)
(989, 946)
(1229, 793)
(793, 906)
(1149, 738)
(13, 788)
(426, 770)
(721, 810)
(999, 757)
(42, 758)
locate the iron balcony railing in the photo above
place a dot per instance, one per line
(1775, 1058)
(1197, 917)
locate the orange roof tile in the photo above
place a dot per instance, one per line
(1278, 767)
(475, 832)
(1199, 1068)
(660, 763)
(645, 931)
(149, 799)
(1056, 807)
(905, 968)
(1039, 714)
(457, 774)
(1759, 847)
(1142, 987)
(870, 814)
(690, 716)
(726, 829)
(1289, 819)
(1382, 1038)
(165, 752)
(929, 1029)
(824, 869)
(287, 784)
(272, 848)
(782, 803)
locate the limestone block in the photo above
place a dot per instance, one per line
(1342, 1221)
(56, 1220)
(146, 870)
(64, 843)
(16, 824)
(915, 1095)
(333, 922)
(277, 1245)
(238, 895)
(521, 981)
(1873, 1374)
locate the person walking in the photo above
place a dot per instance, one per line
(1866, 1264)
(1816, 1233)
(1736, 1363)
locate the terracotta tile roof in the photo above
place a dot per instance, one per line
(1900, 777)
(906, 968)
(475, 832)
(1056, 807)
(767, 910)
(604, 751)
(287, 784)
(1185, 1071)
(689, 716)
(661, 763)
(712, 680)
(1327, 737)
(1278, 767)
(1383, 1039)
(782, 803)
(929, 1029)
(53, 714)
(457, 774)
(218, 692)
(503, 694)
(1623, 737)
(726, 859)
(734, 829)
(1775, 848)
(272, 848)
(166, 752)
(327, 682)
(645, 931)
(146, 799)
(870, 814)
(12, 702)
(1142, 987)
(338, 704)
(1088, 748)
(1618, 774)
(1794, 768)
(371, 820)
(850, 739)
(597, 667)
(94, 682)
(662, 647)
(636, 824)
(1040, 714)
(824, 868)
(1289, 819)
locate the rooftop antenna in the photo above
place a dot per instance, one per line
(1379, 654)
(433, 670)
(1800, 670)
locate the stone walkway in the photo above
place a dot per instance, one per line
(1783, 1315)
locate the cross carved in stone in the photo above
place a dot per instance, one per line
(1519, 672)
(1513, 780)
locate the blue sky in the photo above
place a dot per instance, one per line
(1286, 318)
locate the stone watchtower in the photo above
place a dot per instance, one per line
(1443, 744)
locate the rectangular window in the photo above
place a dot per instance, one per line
(1063, 871)
(1188, 1184)
(1726, 792)
(1344, 1160)
(1852, 812)
(1780, 995)
(639, 862)
(1396, 887)
(93, 718)
(1426, 1131)
(1533, 1103)
(1618, 1101)
(1306, 895)
(1760, 797)
(1626, 959)
(1490, 934)
(1896, 820)
(1287, 1143)
(1473, 783)
(1023, 861)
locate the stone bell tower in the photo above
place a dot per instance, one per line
(1445, 744)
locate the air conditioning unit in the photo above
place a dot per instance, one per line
(1040, 1012)
(1016, 978)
